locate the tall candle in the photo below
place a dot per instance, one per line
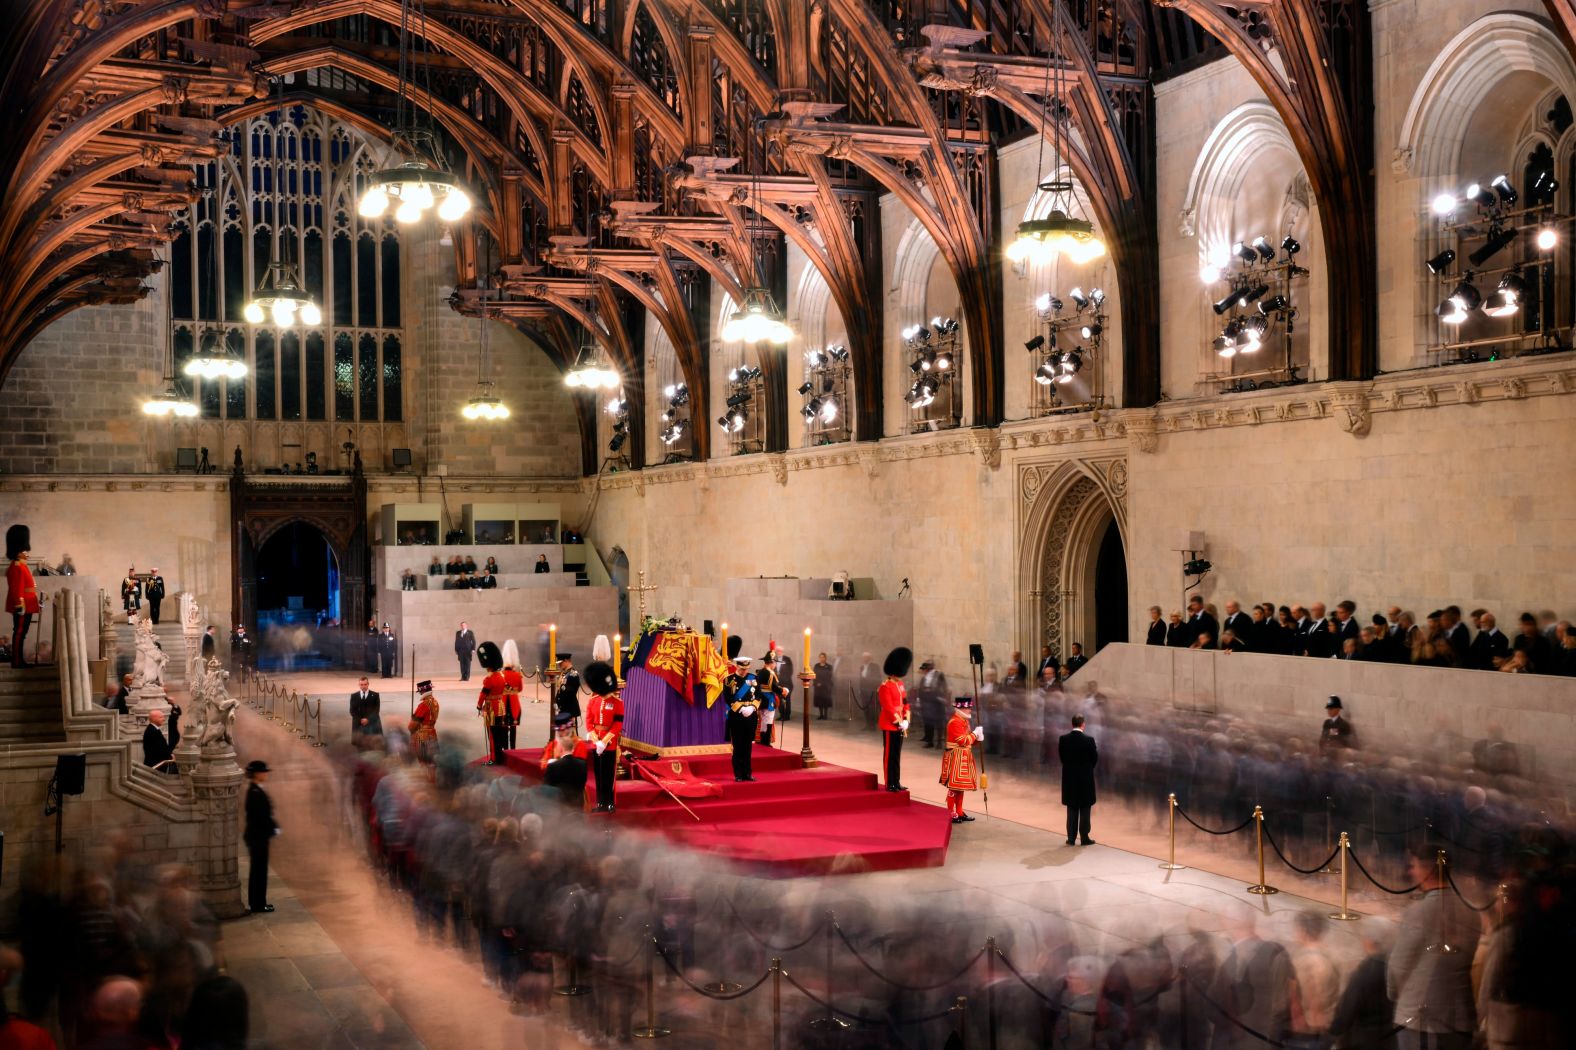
(618, 653)
(552, 645)
(806, 666)
(725, 640)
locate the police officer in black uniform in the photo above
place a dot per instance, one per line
(1337, 734)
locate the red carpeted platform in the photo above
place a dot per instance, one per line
(790, 820)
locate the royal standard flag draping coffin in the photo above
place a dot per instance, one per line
(671, 692)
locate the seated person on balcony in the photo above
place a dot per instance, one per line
(541, 564)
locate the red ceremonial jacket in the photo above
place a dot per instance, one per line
(551, 751)
(21, 593)
(492, 703)
(513, 686)
(605, 719)
(958, 771)
(893, 697)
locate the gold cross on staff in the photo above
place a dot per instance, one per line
(641, 590)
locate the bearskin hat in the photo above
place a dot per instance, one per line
(898, 662)
(490, 656)
(735, 646)
(600, 679)
(18, 538)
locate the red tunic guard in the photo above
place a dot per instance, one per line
(959, 773)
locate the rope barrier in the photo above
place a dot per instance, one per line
(1454, 842)
(1301, 871)
(1209, 831)
(1397, 893)
(1055, 1004)
(1260, 1036)
(1450, 877)
(898, 984)
(767, 944)
(861, 1018)
(697, 989)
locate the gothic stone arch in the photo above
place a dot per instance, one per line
(1064, 510)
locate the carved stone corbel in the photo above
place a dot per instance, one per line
(1352, 411)
(986, 442)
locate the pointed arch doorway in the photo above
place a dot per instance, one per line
(1073, 558)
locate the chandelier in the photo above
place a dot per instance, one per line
(279, 295)
(1059, 233)
(169, 404)
(757, 320)
(485, 406)
(421, 180)
(213, 361)
(589, 373)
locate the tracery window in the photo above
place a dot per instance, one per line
(348, 368)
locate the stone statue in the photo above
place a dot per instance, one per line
(238, 460)
(215, 709)
(149, 667)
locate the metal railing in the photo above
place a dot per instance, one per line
(300, 713)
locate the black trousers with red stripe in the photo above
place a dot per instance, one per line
(892, 756)
(19, 625)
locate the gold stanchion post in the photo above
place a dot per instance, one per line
(1345, 914)
(961, 1007)
(651, 1030)
(1261, 887)
(806, 756)
(1171, 821)
(777, 1004)
(574, 987)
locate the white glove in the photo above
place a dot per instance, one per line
(979, 732)
(748, 710)
(601, 746)
(590, 736)
(903, 724)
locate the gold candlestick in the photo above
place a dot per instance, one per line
(806, 756)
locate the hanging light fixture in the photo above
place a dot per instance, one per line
(757, 319)
(213, 359)
(1060, 232)
(279, 295)
(485, 406)
(588, 372)
(169, 404)
(421, 180)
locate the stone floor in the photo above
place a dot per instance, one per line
(344, 959)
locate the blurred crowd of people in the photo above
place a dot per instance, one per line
(1541, 644)
(116, 955)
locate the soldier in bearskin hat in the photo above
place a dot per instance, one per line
(893, 699)
(21, 592)
(493, 703)
(604, 728)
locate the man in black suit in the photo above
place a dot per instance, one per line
(1200, 622)
(1346, 625)
(260, 829)
(1177, 636)
(1076, 660)
(153, 590)
(464, 649)
(1079, 756)
(1456, 634)
(1316, 638)
(210, 644)
(366, 719)
(1157, 627)
(1239, 623)
(156, 747)
(1490, 645)
(1047, 659)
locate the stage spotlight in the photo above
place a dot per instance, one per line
(829, 410)
(1254, 329)
(1229, 301)
(1209, 274)
(814, 358)
(1264, 248)
(669, 416)
(1450, 312)
(1547, 238)
(1078, 297)
(1506, 192)
(1035, 343)
(1245, 252)
(1499, 304)
(617, 442)
(1467, 295)
(1045, 375)
(1097, 296)
(1091, 331)
(1071, 363)
(741, 398)
(1444, 204)
(1274, 304)
(943, 361)
(838, 353)
(804, 388)
(1496, 242)
(1255, 293)
(1484, 197)
(1225, 347)
(1291, 246)
(811, 409)
(1442, 261)
(1513, 285)
(616, 406)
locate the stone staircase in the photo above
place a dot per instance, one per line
(30, 706)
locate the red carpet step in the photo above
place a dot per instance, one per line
(789, 821)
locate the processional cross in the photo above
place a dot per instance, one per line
(641, 590)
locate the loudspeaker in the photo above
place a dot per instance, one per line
(976, 653)
(400, 457)
(71, 772)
